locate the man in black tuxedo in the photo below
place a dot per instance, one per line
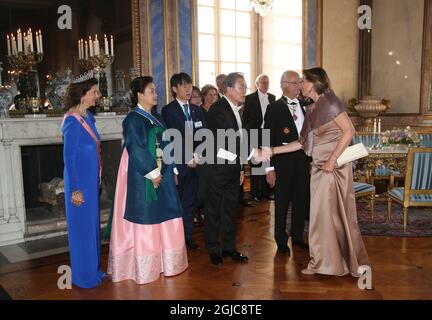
(219, 84)
(226, 173)
(187, 119)
(290, 172)
(253, 118)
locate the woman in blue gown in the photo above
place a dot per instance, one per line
(82, 168)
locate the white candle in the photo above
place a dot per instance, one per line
(19, 36)
(96, 46)
(31, 41)
(106, 45)
(14, 45)
(40, 40)
(379, 126)
(91, 47)
(86, 50)
(112, 46)
(25, 43)
(375, 127)
(8, 45)
(37, 42)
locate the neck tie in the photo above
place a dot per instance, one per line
(187, 114)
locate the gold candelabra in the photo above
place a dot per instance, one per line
(100, 61)
(25, 61)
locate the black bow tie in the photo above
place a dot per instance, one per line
(292, 103)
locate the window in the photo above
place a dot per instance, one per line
(225, 39)
(282, 41)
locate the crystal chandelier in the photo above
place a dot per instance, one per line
(262, 6)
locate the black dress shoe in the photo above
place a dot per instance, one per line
(235, 255)
(270, 196)
(246, 203)
(192, 245)
(216, 260)
(256, 199)
(301, 245)
(284, 250)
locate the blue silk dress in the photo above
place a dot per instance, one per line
(81, 172)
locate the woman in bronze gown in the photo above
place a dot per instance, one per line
(335, 243)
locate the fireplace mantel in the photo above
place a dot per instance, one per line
(15, 133)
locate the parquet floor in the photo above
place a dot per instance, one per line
(402, 269)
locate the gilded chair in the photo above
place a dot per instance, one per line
(362, 190)
(381, 172)
(417, 191)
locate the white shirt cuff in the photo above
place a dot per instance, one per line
(224, 154)
(176, 171)
(267, 170)
(251, 154)
(196, 157)
(153, 174)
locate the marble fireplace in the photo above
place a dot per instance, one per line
(18, 139)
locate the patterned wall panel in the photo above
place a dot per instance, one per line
(185, 35)
(158, 49)
(312, 33)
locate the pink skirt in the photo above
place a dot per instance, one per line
(142, 252)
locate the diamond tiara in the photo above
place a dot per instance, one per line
(83, 77)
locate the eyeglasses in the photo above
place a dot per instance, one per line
(294, 82)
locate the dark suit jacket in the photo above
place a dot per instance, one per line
(282, 127)
(221, 116)
(252, 114)
(174, 117)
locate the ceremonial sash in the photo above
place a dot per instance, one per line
(91, 133)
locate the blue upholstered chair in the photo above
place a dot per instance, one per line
(367, 139)
(418, 183)
(366, 190)
(426, 139)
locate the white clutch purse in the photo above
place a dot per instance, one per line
(352, 153)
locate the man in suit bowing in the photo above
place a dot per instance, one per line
(253, 119)
(226, 173)
(289, 172)
(187, 119)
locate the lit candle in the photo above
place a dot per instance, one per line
(112, 45)
(96, 46)
(79, 49)
(379, 126)
(30, 35)
(25, 43)
(37, 42)
(40, 40)
(19, 36)
(375, 126)
(106, 45)
(82, 48)
(14, 45)
(86, 50)
(91, 46)
(8, 45)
